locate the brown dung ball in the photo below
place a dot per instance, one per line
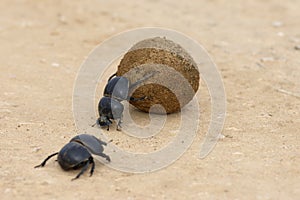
(169, 75)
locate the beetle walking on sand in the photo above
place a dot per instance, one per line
(78, 154)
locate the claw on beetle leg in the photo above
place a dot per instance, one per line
(119, 127)
(136, 99)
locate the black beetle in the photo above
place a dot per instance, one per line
(77, 154)
(116, 90)
(118, 87)
(108, 109)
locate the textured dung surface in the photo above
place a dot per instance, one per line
(176, 77)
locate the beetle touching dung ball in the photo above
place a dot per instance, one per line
(155, 71)
(116, 90)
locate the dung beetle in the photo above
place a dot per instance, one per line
(116, 90)
(78, 154)
(108, 109)
(118, 87)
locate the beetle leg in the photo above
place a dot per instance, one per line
(84, 168)
(104, 156)
(93, 165)
(44, 162)
(110, 122)
(119, 127)
(136, 99)
(146, 77)
(97, 123)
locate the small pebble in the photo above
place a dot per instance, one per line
(267, 59)
(36, 149)
(55, 64)
(280, 34)
(221, 136)
(237, 153)
(7, 190)
(297, 47)
(63, 19)
(277, 24)
(45, 183)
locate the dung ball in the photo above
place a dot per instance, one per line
(166, 75)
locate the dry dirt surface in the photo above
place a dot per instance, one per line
(255, 45)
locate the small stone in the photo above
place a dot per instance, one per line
(45, 183)
(267, 59)
(62, 19)
(297, 47)
(55, 64)
(36, 149)
(277, 24)
(280, 34)
(237, 153)
(7, 190)
(221, 136)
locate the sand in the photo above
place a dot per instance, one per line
(43, 44)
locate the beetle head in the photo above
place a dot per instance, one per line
(103, 121)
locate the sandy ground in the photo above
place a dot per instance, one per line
(43, 44)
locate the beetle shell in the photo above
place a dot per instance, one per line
(110, 108)
(117, 88)
(73, 155)
(93, 144)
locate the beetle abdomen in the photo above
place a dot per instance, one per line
(93, 144)
(72, 155)
(117, 88)
(111, 108)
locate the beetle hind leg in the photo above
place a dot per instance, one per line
(44, 162)
(119, 127)
(137, 99)
(139, 82)
(84, 168)
(104, 156)
(93, 166)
